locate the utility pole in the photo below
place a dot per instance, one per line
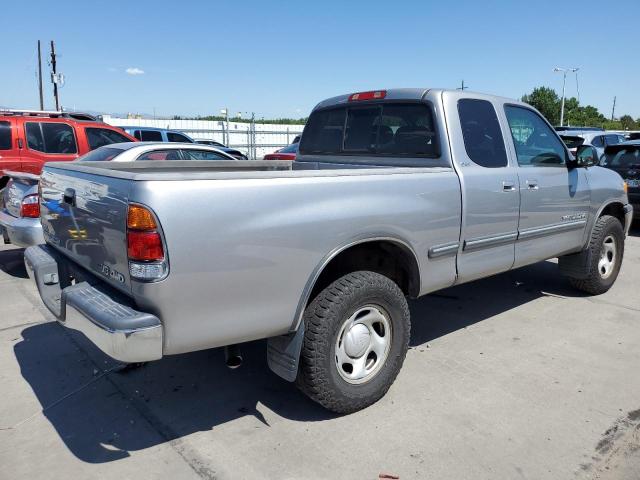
(40, 77)
(54, 76)
(462, 87)
(613, 110)
(564, 82)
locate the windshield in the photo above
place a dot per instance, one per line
(289, 149)
(628, 157)
(102, 154)
(572, 142)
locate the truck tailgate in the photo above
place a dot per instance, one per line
(84, 217)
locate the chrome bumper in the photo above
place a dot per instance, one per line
(22, 232)
(103, 315)
(628, 218)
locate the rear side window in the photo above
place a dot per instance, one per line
(5, 136)
(536, 143)
(481, 133)
(612, 139)
(177, 137)
(160, 155)
(202, 155)
(97, 137)
(150, 136)
(598, 141)
(572, 142)
(51, 138)
(385, 129)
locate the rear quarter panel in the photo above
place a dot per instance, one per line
(242, 252)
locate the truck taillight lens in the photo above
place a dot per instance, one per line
(144, 245)
(30, 207)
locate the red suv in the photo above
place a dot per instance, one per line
(30, 139)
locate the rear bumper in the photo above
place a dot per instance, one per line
(103, 315)
(22, 232)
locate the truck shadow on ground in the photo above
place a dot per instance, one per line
(12, 263)
(102, 414)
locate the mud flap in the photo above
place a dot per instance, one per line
(283, 353)
(575, 265)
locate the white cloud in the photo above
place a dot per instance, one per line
(134, 71)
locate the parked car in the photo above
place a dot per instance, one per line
(384, 201)
(150, 134)
(231, 151)
(20, 206)
(29, 139)
(574, 138)
(578, 129)
(287, 153)
(624, 159)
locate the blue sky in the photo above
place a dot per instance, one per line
(281, 58)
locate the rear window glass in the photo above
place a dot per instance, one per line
(624, 158)
(177, 137)
(203, 155)
(103, 154)
(572, 142)
(481, 133)
(98, 137)
(289, 149)
(386, 129)
(51, 138)
(5, 136)
(150, 136)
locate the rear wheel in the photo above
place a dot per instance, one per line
(606, 249)
(356, 338)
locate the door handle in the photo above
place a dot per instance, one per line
(532, 184)
(508, 187)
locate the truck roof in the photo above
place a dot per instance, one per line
(410, 94)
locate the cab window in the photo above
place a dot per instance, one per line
(177, 137)
(536, 143)
(56, 138)
(150, 136)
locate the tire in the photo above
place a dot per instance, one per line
(335, 324)
(607, 240)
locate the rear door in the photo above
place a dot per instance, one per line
(9, 145)
(554, 199)
(47, 141)
(489, 182)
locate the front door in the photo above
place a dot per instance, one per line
(489, 183)
(554, 199)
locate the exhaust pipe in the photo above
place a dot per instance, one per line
(232, 356)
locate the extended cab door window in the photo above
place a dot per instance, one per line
(5, 136)
(177, 137)
(150, 136)
(481, 133)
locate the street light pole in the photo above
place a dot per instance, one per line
(564, 82)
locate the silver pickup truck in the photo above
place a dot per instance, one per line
(394, 194)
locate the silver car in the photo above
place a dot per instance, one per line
(20, 208)
(597, 139)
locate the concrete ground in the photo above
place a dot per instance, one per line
(512, 377)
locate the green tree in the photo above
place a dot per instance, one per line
(546, 101)
(628, 123)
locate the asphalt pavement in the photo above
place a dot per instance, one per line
(517, 376)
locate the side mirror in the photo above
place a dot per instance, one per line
(586, 156)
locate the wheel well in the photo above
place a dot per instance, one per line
(615, 210)
(385, 257)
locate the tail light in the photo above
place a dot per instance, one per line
(373, 95)
(145, 248)
(30, 207)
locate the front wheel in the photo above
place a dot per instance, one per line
(606, 249)
(356, 338)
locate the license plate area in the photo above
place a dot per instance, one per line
(633, 183)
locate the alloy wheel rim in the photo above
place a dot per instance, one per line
(607, 261)
(363, 344)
